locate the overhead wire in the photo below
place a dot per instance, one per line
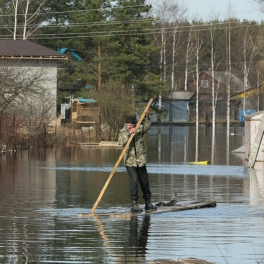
(142, 31)
(107, 23)
(106, 8)
(113, 33)
(69, 35)
(73, 11)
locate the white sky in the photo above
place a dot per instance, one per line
(211, 9)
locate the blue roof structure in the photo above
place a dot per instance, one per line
(72, 51)
(83, 100)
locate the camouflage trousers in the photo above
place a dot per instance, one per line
(138, 174)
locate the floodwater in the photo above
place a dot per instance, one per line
(41, 193)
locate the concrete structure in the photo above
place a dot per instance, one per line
(33, 64)
(252, 123)
(257, 185)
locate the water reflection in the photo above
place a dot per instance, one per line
(41, 193)
(179, 144)
(138, 241)
(257, 184)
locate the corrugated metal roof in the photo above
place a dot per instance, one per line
(24, 49)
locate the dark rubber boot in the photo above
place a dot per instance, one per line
(149, 205)
(135, 208)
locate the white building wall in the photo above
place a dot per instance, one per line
(44, 72)
(251, 129)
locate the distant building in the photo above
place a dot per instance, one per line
(220, 81)
(84, 112)
(176, 106)
(254, 98)
(30, 59)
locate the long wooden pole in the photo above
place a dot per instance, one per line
(119, 159)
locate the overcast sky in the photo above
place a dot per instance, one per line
(211, 9)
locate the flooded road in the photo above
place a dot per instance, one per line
(41, 193)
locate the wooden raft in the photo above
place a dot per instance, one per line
(180, 206)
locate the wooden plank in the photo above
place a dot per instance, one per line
(256, 144)
(160, 209)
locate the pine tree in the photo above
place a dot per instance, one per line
(128, 56)
(75, 27)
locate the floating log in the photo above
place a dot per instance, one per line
(180, 206)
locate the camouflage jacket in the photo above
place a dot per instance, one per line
(135, 154)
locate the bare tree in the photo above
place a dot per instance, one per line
(257, 69)
(213, 78)
(261, 3)
(249, 51)
(198, 45)
(228, 70)
(228, 85)
(174, 50)
(214, 91)
(16, 82)
(36, 112)
(28, 19)
(228, 89)
(177, 16)
(161, 11)
(189, 55)
(27, 22)
(258, 87)
(15, 5)
(112, 115)
(167, 12)
(20, 85)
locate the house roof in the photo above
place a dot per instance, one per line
(222, 77)
(24, 49)
(179, 95)
(250, 91)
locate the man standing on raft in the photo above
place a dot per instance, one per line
(135, 160)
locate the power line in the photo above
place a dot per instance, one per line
(147, 31)
(102, 33)
(112, 33)
(113, 22)
(66, 25)
(99, 9)
(76, 11)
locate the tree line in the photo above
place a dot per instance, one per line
(131, 50)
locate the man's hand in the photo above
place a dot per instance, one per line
(132, 130)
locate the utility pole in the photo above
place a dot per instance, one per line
(99, 67)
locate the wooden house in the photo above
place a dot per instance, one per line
(84, 112)
(220, 81)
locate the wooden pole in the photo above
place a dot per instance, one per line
(99, 68)
(119, 159)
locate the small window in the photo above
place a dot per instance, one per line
(204, 83)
